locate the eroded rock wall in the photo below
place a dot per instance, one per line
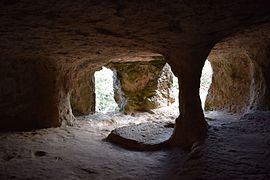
(164, 93)
(240, 73)
(83, 95)
(142, 86)
(231, 82)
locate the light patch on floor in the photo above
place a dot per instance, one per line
(236, 148)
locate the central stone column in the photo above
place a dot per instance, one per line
(190, 126)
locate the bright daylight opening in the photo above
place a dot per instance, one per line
(175, 91)
(104, 91)
(206, 80)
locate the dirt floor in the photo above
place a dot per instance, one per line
(236, 148)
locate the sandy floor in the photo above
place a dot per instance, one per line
(237, 148)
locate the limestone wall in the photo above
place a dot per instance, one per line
(142, 86)
(241, 73)
(83, 95)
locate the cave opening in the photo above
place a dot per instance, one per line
(133, 92)
(206, 80)
(109, 98)
(130, 93)
(104, 91)
(114, 93)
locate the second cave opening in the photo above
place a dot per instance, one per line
(108, 89)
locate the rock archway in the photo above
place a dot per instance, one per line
(241, 80)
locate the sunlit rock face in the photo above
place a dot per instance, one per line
(241, 68)
(165, 95)
(58, 42)
(142, 86)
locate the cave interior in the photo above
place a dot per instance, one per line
(53, 123)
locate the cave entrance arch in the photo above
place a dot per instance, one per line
(106, 78)
(129, 86)
(239, 82)
(104, 91)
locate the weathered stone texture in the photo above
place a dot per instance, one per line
(241, 73)
(144, 136)
(83, 95)
(142, 86)
(164, 93)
